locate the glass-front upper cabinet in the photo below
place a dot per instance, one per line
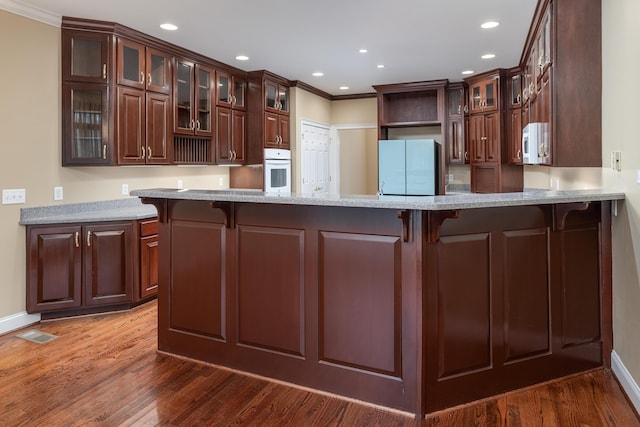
(142, 67)
(85, 56)
(231, 91)
(276, 97)
(204, 99)
(516, 90)
(484, 96)
(456, 104)
(85, 125)
(183, 97)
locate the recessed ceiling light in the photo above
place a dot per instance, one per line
(344, 87)
(488, 56)
(242, 58)
(490, 24)
(466, 72)
(318, 74)
(363, 51)
(381, 66)
(169, 27)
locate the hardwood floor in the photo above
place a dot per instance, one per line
(104, 370)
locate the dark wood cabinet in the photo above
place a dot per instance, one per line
(457, 143)
(489, 144)
(80, 268)
(515, 135)
(231, 119)
(193, 98)
(86, 57)
(148, 258)
(267, 114)
(143, 67)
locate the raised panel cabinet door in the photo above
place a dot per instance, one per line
(492, 135)
(108, 266)
(225, 142)
(85, 56)
(148, 266)
(271, 130)
(85, 125)
(283, 131)
(54, 268)
(457, 149)
(158, 71)
(239, 134)
(131, 64)
(130, 127)
(477, 138)
(158, 135)
(224, 87)
(515, 136)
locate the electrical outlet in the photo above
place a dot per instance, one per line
(125, 189)
(13, 197)
(616, 160)
(221, 181)
(180, 184)
(57, 193)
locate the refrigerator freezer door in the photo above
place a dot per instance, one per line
(391, 167)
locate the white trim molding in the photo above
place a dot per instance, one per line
(17, 321)
(629, 385)
(357, 126)
(31, 12)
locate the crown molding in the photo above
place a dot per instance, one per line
(31, 12)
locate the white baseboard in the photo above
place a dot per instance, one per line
(17, 321)
(629, 385)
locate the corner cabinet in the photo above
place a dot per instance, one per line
(491, 171)
(87, 124)
(267, 114)
(81, 268)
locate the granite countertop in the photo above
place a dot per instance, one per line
(110, 210)
(450, 201)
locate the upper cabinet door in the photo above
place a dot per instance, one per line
(130, 60)
(239, 93)
(158, 71)
(225, 97)
(183, 98)
(484, 96)
(456, 102)
(204, 100)
(271, 96)
(85, 57)
(283, 99)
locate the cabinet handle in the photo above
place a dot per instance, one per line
(229, 99)
(519, 99)
(149, 79)
(235, 156)
(149, 153)
(197, 124)
(235, 100)
(142, 155)
(466, 155)
(466, 108)
(192, 124)
(230, 155)
(142, 77)
(483, 138)
(88, 238)
(104, 151)
(519, 153)
(77, 239)
(104, 71)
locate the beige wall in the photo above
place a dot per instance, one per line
(620, 113)
(30, 148)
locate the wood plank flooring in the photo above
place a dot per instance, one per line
(104, 370)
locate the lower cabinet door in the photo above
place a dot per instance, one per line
(148, 266)
(54, 268)
(108, 266)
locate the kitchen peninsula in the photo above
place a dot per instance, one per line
(413, 303)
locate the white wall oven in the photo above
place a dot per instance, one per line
(277, 170)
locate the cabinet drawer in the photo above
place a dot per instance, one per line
(148, 228)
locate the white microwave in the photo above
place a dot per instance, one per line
(277, 170)
(535, 143)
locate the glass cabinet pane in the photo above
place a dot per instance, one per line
(157, 67)
(184, 85)
(239, 88)
(223, 88)
(86, 124)
(490, 95)
(131, 63)
(283, 99)
(476, 98)
(516, 89)
(86, 57)
(455, 101)
(204, 100)
(271, 95)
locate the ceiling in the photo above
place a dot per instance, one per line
(415, 39)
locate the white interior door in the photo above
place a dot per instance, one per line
(315, 158)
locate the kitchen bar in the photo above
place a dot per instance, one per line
(413, 303)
